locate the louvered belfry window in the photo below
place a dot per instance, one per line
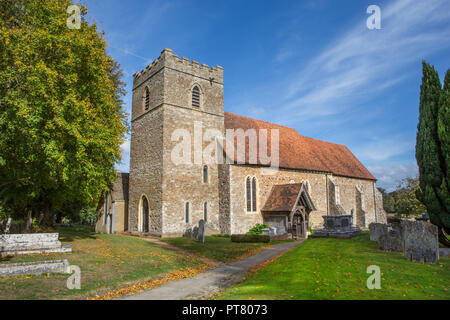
(147, 99)
(196, 97)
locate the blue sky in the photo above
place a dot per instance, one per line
(311, 65)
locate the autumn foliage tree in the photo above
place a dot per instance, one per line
(61, 117)
(432, 149)
(406, 203)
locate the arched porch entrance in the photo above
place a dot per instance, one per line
(300, 224)
(289, 206)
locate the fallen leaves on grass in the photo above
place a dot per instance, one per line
(150, 284)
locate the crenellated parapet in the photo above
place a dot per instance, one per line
(168, 59)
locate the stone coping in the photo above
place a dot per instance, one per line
(322, 233)
(39, 267)
(27, 243)
(61, 249)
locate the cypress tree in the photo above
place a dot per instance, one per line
(434, 191)
(444, 140)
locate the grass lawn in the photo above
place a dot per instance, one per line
(336, 269)
(106, 262)
(219, 248)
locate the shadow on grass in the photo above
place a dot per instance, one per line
(71, 233)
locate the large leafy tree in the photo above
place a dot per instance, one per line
(406, 203)
(61, 117)
(431, 145)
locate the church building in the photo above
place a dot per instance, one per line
(176, 100)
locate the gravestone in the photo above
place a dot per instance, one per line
(12, 244)
(391, 239)
(201, 231)
(376, 230)
(421, 241)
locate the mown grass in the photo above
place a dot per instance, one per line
(107, 262)
(336, 269)
(218, 247)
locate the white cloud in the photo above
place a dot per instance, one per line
(125, 147)
(382, 149)
(389, 176)
(284, 54)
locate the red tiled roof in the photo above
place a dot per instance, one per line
(300, 152)
(282, 197)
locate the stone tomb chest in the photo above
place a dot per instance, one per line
(27, 243)
(337, 226)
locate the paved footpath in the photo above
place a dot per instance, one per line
(212, 281)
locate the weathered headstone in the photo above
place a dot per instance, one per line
(391, 239)
(201, 231)
(376, 230)
(421, 241)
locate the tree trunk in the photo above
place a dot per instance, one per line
(29, 221)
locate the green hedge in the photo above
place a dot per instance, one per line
(250, 238)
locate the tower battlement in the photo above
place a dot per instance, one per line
(171, 60)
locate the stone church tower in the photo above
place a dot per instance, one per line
(173, 97)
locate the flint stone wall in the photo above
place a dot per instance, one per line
(421, 241)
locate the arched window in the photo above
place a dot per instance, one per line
(186, 212)
(254, 194)
(205, 211)
(249, 194)
(205, 174)
(147, 98)
(196, 97)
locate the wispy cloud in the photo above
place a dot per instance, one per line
(390, 176)
(357, 68)
(384, 149)
(369, 60)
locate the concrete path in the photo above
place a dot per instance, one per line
(212, 281)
